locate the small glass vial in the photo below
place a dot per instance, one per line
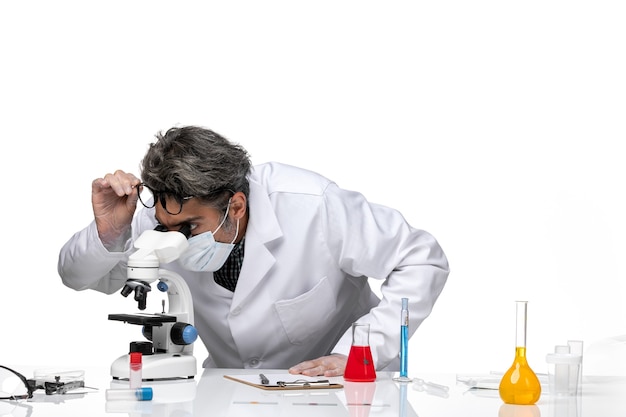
(135, 377)
(134, 394)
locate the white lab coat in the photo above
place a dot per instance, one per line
(309, 249)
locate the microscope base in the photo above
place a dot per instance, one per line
(157, 367)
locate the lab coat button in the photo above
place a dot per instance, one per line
(254, 362)
(236, 311)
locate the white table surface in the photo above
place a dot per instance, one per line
(211, 394)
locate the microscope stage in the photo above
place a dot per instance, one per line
(144, 319)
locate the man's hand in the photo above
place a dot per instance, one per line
(114, 199)
(333, 365)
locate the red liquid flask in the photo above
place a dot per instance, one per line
(360, 365)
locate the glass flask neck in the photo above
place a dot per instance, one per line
(520, 325)
(360, 334)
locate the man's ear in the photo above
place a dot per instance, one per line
(238, 205)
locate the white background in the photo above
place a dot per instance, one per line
(497, 126)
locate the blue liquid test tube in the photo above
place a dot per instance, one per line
(404, 342)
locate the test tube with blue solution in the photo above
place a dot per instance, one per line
(404, 342)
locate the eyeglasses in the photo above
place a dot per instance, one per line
(150, 197)
(13, 385)
(175, 205)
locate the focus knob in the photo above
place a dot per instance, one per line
(183, 334)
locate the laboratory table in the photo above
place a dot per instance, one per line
(210, 394)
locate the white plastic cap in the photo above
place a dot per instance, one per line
(564, 358)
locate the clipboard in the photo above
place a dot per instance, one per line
(284, 382)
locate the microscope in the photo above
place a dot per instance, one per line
(168, 351)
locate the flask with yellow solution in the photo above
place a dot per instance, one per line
(520, 384)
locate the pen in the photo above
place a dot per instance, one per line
(264, 379)
(304, 383)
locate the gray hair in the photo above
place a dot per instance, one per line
(194, 161)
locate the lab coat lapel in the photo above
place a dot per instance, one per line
(262, 228)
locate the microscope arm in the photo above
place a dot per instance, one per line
(178, 295)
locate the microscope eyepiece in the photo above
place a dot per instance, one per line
(160, 228)
(185, 229)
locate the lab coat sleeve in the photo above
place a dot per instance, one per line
(375, 241)
(85, 263)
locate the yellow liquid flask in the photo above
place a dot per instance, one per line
(520, 384)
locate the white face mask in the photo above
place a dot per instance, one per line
(204, 254)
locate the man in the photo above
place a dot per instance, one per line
(279, 257)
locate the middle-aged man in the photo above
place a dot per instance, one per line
(279, 257)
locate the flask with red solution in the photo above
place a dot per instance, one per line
(360, 366)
